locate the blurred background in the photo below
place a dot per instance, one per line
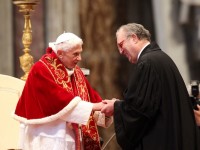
(174, 25)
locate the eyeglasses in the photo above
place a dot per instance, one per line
(120, 45)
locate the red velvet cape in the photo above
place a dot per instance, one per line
(49, 90)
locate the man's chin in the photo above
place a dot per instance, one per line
(132, 61)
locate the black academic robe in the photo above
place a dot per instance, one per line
(156, 113)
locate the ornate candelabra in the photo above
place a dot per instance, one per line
(26, 60)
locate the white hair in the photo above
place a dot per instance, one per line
(65, 42)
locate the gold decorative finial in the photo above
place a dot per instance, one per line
(26, 60)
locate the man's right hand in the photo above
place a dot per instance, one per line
(98, 106)
(108, 108)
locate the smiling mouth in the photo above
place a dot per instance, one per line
(75, 63)
(125, 54)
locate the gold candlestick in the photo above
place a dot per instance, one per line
(26, 60)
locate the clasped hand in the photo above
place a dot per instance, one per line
(106, 106)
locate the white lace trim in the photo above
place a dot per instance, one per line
(51, 136)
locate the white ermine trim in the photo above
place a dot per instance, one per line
(51, 118)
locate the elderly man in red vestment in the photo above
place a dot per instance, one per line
(57, 106)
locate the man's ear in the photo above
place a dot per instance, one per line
(60, 53)
(135, 38)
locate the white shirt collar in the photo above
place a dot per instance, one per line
(142, 49)
(70, 72)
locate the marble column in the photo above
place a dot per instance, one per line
(190, 23)
(61, 16)
(98, 27)
(6, 42)
(169, 36)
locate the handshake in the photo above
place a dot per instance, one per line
(106, 106)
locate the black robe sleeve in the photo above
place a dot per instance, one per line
(133, 115)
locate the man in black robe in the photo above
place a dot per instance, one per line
(156, 113)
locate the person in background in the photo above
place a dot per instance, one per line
(197, 115)
(156, 112)
(193, 90)
(57, 104)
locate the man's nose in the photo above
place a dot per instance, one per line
(79, 58)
